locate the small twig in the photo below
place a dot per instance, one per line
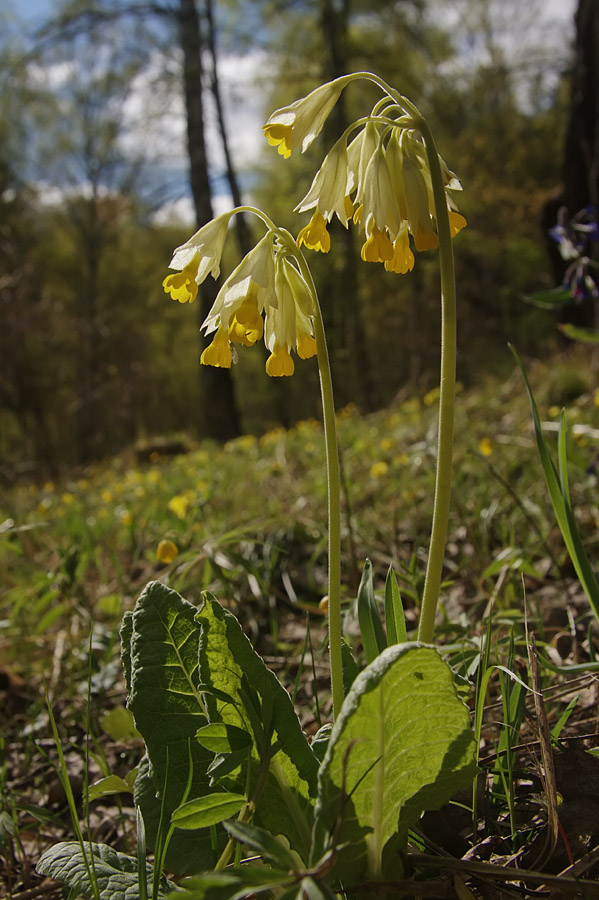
(581, 865)
(568, 886)
(47, 887)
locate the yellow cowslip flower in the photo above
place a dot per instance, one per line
(306, 346)
(359, 154)
(414, 151)
(289, 325)
(381, 180)
(402, 260)
(182, 286)
(328, 192)
(198, 257)
(456, 222)
(246, 325)
(279, 362)
(417, 205)
(166, 552)
(218, 353)
(252, 279)
(315, 235)
(265, 296)
(380, 207)
(394, 157)
(378, 247)
(302, 121)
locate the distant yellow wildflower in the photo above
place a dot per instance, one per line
(166, 552)
(486, 446)
(179, 504)
(379, 469)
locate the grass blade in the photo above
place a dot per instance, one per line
(371, 627)
(557, 483)
(394, 613)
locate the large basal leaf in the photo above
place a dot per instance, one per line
(115, 874)
(402, 744)
(168, 710)
(227, 663)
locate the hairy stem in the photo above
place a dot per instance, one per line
(334, 504)
(434, 569)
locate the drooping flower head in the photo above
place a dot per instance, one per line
(329, 188)
(265, 296)
(380, 179)
(302, 121)
(196, 259)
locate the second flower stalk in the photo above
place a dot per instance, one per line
(389, 181)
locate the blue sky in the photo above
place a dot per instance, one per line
(32, 9)
(25, 16)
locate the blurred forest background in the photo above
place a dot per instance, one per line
(125, 124)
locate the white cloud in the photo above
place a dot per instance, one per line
(154, 119)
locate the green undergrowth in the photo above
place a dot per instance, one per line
(247, 522)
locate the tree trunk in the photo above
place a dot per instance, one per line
(581, 151)
(345, 284)
(581, 165)
(220, 417)
(243, 235)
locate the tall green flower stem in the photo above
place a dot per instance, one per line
(441, 506)
(332, 459)
(436, 554)
(333, 483)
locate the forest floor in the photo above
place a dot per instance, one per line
(247, 521)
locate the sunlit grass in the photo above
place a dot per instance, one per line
(86, 544)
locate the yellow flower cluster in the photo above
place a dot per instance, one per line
(265, 296)
(381, 180)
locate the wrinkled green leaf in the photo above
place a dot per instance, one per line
(229, 664)
(209, 810)
(402, 744)
(321, 739)
(168, 710)
(116, 874)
